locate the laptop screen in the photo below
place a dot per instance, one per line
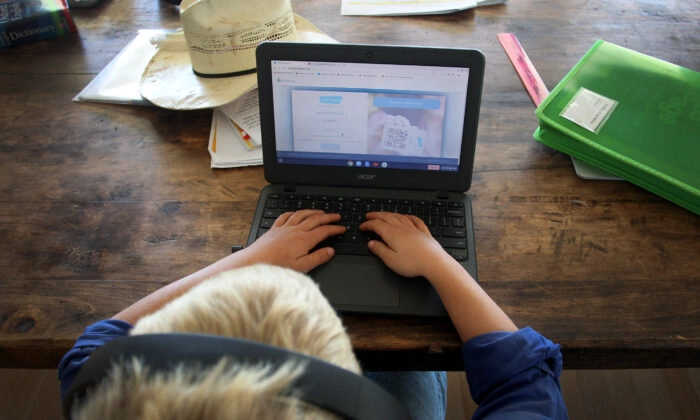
(379, 116)
(368, 115)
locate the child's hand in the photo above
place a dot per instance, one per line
(292, 236)
(407, 247)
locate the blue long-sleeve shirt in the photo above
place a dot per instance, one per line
(511, 375)
(515, 375)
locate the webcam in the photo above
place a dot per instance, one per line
(370, 54)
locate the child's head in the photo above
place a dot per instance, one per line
(262, 303)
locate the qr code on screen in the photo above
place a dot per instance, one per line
(395, 138)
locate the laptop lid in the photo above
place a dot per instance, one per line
(369, 115)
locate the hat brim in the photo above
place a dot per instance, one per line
(169, 82)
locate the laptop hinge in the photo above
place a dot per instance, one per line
(443, 194)
(290, 187)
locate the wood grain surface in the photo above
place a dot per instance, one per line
(101, 204)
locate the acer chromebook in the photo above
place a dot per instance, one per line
(356, 128)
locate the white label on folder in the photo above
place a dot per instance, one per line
(589, 109)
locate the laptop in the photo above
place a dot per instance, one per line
(353, 128)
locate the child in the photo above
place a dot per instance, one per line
(511, 372)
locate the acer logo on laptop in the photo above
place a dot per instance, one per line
(366, 177)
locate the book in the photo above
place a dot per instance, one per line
(24, 21)
(633, 115)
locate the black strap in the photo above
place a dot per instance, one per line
(220, 75)
(322, 384)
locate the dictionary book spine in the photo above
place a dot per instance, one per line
(25, 21)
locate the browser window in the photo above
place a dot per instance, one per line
(369, 115)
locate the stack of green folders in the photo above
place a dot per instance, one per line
(632, 115)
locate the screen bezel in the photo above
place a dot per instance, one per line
(381, 54)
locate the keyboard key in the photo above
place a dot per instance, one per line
(454, 232)
(437, 211)
(459, 255)
(356, 237)
(272, 213)
(453, 242)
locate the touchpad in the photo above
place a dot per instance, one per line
(358, 284)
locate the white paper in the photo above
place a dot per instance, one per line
(119, 81)
(589, 109)
(587, 171)
(226, 147)
(409, 7)
(245, 111)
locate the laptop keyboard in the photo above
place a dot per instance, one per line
(445, 219)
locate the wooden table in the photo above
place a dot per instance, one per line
(101, 204)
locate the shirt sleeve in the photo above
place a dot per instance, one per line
(95, 336)
(515, 375)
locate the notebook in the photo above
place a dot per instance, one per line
(354, 128)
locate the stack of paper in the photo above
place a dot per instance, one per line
(244, 112)
(409, 7)
(234, 139)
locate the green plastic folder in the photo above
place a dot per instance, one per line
(632, 115)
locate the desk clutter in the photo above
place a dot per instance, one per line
(190, 69)
(210, 66)
(234, 139)
(633, 116)
(650, 141)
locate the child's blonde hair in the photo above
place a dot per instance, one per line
(264, 303)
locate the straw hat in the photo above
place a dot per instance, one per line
(211, 62)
